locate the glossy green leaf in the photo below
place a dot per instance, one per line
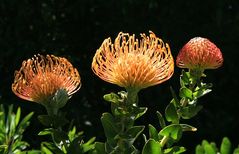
(225, 146)
(18, 115)
(185, 93)
(109, 126)
(209, 149)
(236, 151)
(24, 123)
(72, 133)
(152, 147)
(199, 149)
(204, 143)
(174, 131)
(201, 92)
(190, 111)
(112, 97)
(139, 111)
(161, 119)
(89, 145)
(186, 127)
(153, 133)
(174, 150)
(47, 131)
(171, 113)
(50, 148)
(184, 78)
(134, 132)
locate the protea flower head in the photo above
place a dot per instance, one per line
(134, 63)
(45, 79)
(199, 53)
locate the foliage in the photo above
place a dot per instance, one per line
(12, 128)
(211, 148)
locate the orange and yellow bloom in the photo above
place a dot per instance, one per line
(134, 63)
(41, 77)
(199, 53)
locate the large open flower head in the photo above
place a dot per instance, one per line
(134, 63)
(199, 53)
(42, 77)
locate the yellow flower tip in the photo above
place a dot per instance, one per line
(134, 63)
(41, 77)
(199, 53)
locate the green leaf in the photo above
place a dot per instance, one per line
(50, 148)
(199, 149)
(236, 151)
(214, 146)
(72, 133)
(134, 132)
(47, 131)
(161, 119)
(184, 78)
(112, 97)
(89, 145)
(152, 147)
(204, 143)
(18, 115)
(174, 131)
(139, 111)
(24, 123)
(109, 126)
(201, 92)
(186, 127)
(209, 149)
(185, 93)
(153, 133)
(225, 146)
(99, 148)
(190, 111)
(174, 150)
(171, 113)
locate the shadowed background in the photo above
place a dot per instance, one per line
(75, 29)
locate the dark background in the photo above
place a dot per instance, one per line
(75, 29)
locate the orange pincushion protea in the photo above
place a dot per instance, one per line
(199, 53)
(133, 63)
(41, 77)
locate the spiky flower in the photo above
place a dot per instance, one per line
(134, 63)
(43, 79)
(199, 53)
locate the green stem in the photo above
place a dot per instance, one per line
(126, 121)
(164, 141)
(51, 111)
(132, 97)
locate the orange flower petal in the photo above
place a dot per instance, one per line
(41, 77)
(134, 63)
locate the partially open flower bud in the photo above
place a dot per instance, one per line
(199, 53)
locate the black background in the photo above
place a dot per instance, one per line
(75, 30)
